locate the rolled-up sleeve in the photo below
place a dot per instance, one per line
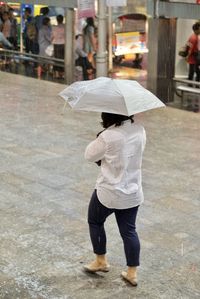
(95, 151)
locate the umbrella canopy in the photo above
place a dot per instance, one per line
(104, 94)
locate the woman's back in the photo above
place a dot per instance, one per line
(58, 34)
(121, 165)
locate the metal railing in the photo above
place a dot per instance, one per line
(28, 64)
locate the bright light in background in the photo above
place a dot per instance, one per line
(96, 6)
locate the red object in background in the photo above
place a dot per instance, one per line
(198, 1)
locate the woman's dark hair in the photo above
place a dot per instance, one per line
(90, 22)
(59, 19)
(44, 10)
(77, 36)
(45, 21)
(28, 10)
(109, 119)
(196, 26)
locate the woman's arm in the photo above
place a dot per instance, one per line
(47, 36)
(95, 150)
(92, 38)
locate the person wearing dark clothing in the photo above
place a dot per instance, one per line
(81, 58)
(13, 30)
(30, 33)
(44, 12)
(118, 189)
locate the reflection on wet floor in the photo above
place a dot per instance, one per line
(28, 69)
(123, 70)
(45, 186)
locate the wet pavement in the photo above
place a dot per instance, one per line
(124, 70)
(45, 186)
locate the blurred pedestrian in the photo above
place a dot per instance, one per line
(3, 8)
(81, 58)
(6, 29)
(1, 19)
(192, 44)
(90, 40)
(4, 42)
(58, 40)
(30, 33)
(1, 23)
(118, 149)
(13, 30)
(44, 12)
(44, 37)
(44, 41)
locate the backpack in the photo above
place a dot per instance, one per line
(31, 30)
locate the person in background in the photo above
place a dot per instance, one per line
(13, 31)
(193, 59)
(3, 8)
(90, 40)
(1, 24)
(44, 37)
(44, 40)
(81, 58)
(58, 40)
(4, 42)
(6, 30)
(30, 33)
(118, 149)
(192, 55)
(1, 18)
(44, 12)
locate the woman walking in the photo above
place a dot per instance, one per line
(58, 40)
(118, 150)
(44, 41)
(90, 41)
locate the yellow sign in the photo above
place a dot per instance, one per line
(130, 43)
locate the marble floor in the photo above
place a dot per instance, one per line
(45, 186)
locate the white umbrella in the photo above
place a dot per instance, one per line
(104, 94)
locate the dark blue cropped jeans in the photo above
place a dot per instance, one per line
(97, 214)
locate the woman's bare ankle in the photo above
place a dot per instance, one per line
(132, 271)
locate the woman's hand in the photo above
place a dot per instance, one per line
(98, 163)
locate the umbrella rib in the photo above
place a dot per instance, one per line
(120, 92)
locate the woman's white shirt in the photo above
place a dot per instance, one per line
(120, 149)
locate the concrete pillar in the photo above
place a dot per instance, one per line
(101, 59)
(161, 57)
(21, 30)
(110, 37)
(69, 45)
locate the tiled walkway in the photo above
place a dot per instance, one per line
(45, 186)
